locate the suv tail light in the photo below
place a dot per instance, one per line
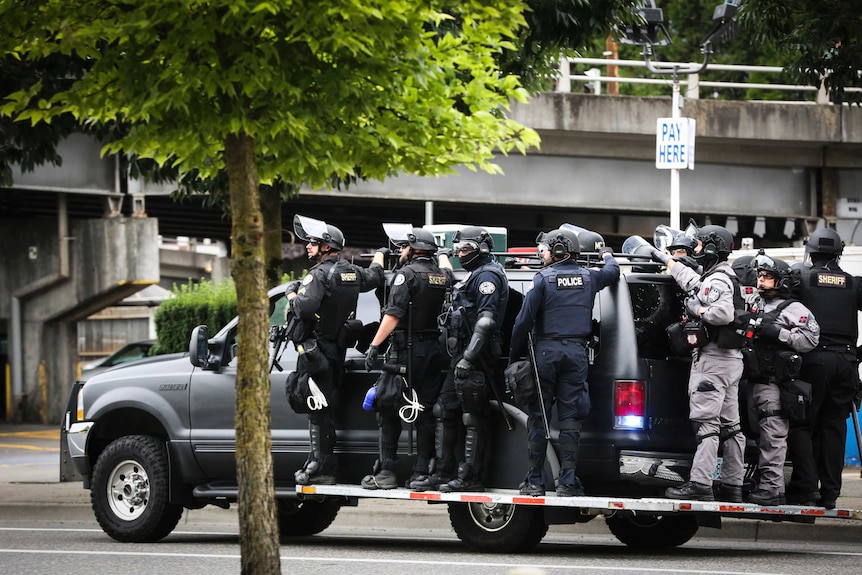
(629, 404)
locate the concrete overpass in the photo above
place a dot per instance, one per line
(771, 171)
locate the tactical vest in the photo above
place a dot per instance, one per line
(569, 298)
(342, 283)
(831, 297)
(765, 348)
(428, 295)
(727, 336)
(466, 289)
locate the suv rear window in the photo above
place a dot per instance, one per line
(654, 306)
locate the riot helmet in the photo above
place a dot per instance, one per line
(681, 241)
(309, 229)
(775, 268)
(402, 235)
(826, 243)
(472, 245)
(716, 245)
(561, 243)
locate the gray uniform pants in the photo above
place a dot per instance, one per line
(772, 443)
(713, 403)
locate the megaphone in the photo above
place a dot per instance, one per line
(589, 240)
(637, 246)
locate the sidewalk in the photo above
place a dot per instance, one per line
(29, 486)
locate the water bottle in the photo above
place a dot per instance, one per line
(368, 403)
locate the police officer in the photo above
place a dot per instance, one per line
(558, 311)
(816, 445)
(716, 368)
(409, 322)
(785, 328)
(323, 301)
(472, 324)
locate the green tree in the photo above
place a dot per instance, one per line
(298, 91)
(819, 40)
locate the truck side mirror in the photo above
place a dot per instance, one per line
(199, 346)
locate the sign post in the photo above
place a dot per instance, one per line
(674, 150)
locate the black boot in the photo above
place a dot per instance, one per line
(726, 492)
(690, 490)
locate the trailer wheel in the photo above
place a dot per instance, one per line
(297, 518)
(497, 527)
(129, 493)
(652, 531)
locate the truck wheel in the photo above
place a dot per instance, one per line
(497, 527)
(297, 518)
(129, 492)
(652, 531)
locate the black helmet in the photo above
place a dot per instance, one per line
(682, 241)
(779, 268)
(476, 237)
(561, 242)
(308, 229)
(824, 241)
(422, 239)
(405, 234)
(479, 242)
(715, 240)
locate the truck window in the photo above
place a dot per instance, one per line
(654, 306)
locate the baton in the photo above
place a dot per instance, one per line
(410, 370)
(854, 413)
(538, 385)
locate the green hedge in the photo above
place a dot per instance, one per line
(193, 304)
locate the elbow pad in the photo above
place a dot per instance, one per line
(483, 331)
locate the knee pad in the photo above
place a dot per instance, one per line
(472, 419)
(727, 432)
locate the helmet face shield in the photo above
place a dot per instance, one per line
(466, 246)
(398, 234)
(307, 229)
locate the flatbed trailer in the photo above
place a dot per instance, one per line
(502, 520)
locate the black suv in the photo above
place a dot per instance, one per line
(163, 430)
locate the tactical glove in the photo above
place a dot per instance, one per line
(769, 329)
(445, 252)
(371, 357)
(463, 369)
(292, 287)
(687, 261)
(384, 251)
(606, 250)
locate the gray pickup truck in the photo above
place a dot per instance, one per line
(156, 436)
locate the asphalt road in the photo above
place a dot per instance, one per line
(29, 487)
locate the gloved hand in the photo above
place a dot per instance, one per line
(444, 252)
(605, 250)
(292, 287)
(371, 357)
(384, 251)
(659, 257)
(692, 304)
(463, 369)
(687, 261)
(768, 329)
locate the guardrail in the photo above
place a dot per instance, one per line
(691, 83)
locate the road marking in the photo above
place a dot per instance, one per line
(43, 434)
(29, 447)
(380, 561)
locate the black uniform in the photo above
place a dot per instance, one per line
(416, 298)
(483, 293)
(816, 445)
(324, 301)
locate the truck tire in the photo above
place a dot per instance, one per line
(652, 531)
(129, 492)
(298, 518)
(497, 527)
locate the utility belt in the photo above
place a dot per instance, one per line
(569, 339)
(836, 347)
(401, 339)
(778, 365)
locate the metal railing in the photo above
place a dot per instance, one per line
(692, 82)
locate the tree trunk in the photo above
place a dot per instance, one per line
(258, 529)
(270, 205)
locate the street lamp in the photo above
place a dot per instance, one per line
(650, 32)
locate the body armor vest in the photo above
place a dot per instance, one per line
(342, 283)
(465, 293)
(567, 309)
(429, 293)
(830, 295)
